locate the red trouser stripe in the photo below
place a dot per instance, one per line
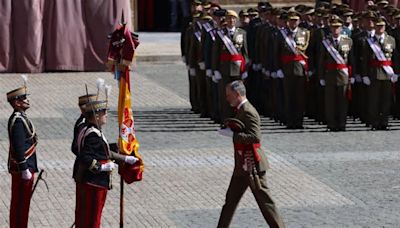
(89, 205)
(21, 192)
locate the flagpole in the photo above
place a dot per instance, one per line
(121, 204)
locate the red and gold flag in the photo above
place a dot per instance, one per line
(127, 141)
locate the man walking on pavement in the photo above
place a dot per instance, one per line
(250, 161)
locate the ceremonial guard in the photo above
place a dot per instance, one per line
(94, 166)
(378, 74)
(335, 73)
(250, 160)
(292, 67)
(229, 59)
(80, 122)
(22, 161)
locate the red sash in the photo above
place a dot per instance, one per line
(248, 147)
(237, 57)
(294, 58)
(335, 66)
(378, 63)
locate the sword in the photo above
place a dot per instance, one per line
(37, 181)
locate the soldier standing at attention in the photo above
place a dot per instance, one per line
(230, 59)
(80, 122)
(250, 160)
(378, 74)
(292, 67)
(94, 165)
(335, 74)
(22, 162)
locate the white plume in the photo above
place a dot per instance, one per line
(24, 77)
(99, 84)
(108, 90)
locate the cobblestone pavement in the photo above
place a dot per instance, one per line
(318, 178)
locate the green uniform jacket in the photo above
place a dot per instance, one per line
(251, 134)
(301, 37)
(335, 76)
(230, 68)
(377, 73)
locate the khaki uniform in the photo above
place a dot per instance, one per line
(294, 75)
(191, 78)
(380, 89)
(337, 82)
(242, 179)
(230, 69)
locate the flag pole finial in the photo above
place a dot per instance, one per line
(123, 22)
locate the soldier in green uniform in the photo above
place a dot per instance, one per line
(335, 74)
(396, 36)
(230, 57)
(251, 162)
(378, 74)
(292, 43)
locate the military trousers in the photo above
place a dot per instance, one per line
(21, 192)
(237, 187)
(380, 92)
(336, 104)
(194, 102)
(201, 91)
(294, 89)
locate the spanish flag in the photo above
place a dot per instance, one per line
(127, 141)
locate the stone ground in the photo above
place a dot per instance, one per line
(318, 178)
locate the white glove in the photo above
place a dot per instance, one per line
(202, 65)
(255, 67)
(273, 75)
(266, 72)
(259, 66)
(209, 73)
(322, 82)
(192, 72)
(310, 73)
(131, 160)
(352, 80)
(26, 174)
(358, 78)
(244, 75)
(184, 59)
(107, 167)
(280, 74)
(394, 78)
(214, 79)
(217, 75)
(226, 132)
(366, 80)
